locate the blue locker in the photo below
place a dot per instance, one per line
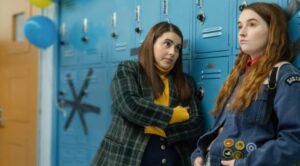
(294, 34)
(95, 49)
(212, 28)
(209, 74)
(147, 14)
(122, 29)
(74, 140)
(186, 65)
(179, 12)
(67, 52)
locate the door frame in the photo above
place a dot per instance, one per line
(47, 97)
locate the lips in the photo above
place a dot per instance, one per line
(243, 41)
(168, 60)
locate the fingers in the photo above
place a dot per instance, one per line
(198, 161)
(227, 162)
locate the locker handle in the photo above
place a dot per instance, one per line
(199, 3)
(114, 25)
(137, 13)
(200, 93)
(166, 7)
(60, 104)
(62, 32)
(85, 39)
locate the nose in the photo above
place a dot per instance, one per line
(243, 32)
(172, 50)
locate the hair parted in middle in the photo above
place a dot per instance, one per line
(147, 61)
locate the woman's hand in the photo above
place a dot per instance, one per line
(198, 161)
(228, 162)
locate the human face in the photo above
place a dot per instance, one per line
(166, 50)
(253, 33)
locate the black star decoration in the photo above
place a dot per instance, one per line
(77, 105)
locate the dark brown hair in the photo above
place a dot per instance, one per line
(147, 61)
(277, 49)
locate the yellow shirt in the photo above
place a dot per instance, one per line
(162, 100)
(179, 113)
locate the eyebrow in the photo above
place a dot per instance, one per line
(173, 42)
(251, 19)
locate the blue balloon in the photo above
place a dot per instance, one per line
(40, 31)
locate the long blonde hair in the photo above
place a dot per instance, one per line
(277, 49)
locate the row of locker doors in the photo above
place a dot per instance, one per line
(92, 36)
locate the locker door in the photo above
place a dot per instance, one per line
(77, 147)
(179, 12)
(122, 30)
(93, 32)
(67, 50)
(147, 14)
(238, 6)
(294, 34)
(209, 74)
(212, 22)
(186, 66)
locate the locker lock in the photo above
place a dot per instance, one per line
(114, 35)
(62, 43)
(138, 30)
(200, 93)
(201, 17)
(85, 39)
(243, 5)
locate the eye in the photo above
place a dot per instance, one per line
(178, 48)
(167, 43)
(240, 26)
(252, 24)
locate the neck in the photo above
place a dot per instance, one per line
(254, 57)
(162, 71)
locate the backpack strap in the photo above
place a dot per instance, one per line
(271, 81)
(271, 95)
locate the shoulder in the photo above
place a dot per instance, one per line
(128, 66)
(289, 74)
(188, 77)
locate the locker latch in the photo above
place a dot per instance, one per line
(200, 93)
(243, 5)
(201, 17)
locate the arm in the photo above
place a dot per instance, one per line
(193, 127)
(285, 149)
(127, 95)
